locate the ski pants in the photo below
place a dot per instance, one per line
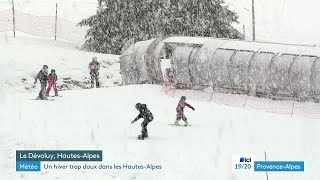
(95, 77)
(180, 115)
(42, 93)
(54, 86)
(144, 130)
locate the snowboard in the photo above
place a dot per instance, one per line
(179, 125)
(140, 137)
(56, 96)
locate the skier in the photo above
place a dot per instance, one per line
(147, 117)
(94, 67)
(180, 111)
(43, 77)
(52, 80)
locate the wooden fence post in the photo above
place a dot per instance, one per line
(13, 20)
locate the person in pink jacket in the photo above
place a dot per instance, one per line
(180, 111)
(52, 80)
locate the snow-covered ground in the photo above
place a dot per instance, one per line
(22, 58)
(100, 119)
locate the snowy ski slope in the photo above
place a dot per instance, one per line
(73, 10)
(22, 57)
(100, 119)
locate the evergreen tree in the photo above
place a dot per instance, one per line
(118, 21)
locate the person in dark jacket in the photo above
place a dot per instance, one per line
(170, 75)
(52, 80)
(94, 67)
(180, 111)
(147, 116)
(43, 78)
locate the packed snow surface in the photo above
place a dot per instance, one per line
(100, 119)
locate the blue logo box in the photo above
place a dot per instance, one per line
(279, 166)
(28, 166)
(58, 155)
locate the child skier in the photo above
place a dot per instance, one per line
(180, 113)
(147, 117)
(169, 73)
(43, 77)
(52, 80)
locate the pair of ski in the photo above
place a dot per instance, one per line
(179, 125)
(46, 99)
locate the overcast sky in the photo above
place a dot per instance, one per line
(291, 21)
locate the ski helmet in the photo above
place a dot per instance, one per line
(53, 71)
(45, 66)
(94, 59)
(138, 106)
(183, 98)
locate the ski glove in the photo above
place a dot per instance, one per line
(35, 82)
(192, 108)
(132, 121)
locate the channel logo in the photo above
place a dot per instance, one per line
(245, 159)
(243, 162)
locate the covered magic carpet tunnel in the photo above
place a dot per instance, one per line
(235, 66)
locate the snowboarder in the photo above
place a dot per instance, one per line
(180, 111)
(147, 116)
(52, 80)
(43, 77)
(94, 67)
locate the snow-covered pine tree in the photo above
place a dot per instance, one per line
(118, 21)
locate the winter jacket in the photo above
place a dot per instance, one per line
(144, 113)
(94, 66)
(181, 105)
(170, 74)
(52, 78)
(42, 76)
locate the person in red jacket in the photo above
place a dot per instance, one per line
(52, 80)
(180, 111)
